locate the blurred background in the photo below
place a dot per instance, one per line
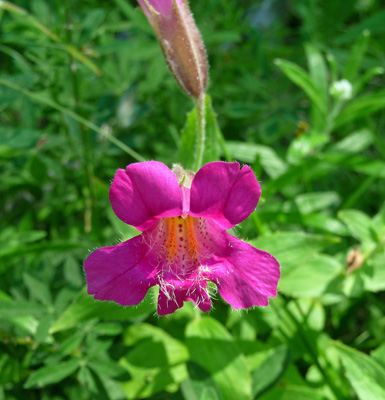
(298, 88)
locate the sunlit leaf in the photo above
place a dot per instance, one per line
(84, 307)
(156, 362)
(364, 373)
(213, 348)
(290, 248)
(311, 278)
(359, 225)
(51, 374)
(271, 370)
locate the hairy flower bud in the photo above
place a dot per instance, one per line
(180, 41)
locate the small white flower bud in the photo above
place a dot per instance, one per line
(342, 89)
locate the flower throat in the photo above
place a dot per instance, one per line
(181, 243)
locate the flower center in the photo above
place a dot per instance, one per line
(181, 243)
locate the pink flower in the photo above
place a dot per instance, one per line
(184, 243)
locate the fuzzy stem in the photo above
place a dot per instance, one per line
(201, 130)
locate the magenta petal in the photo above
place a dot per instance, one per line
(224, 192)
(122, 273)
(246, 276)
(145, 192)
(172, 297)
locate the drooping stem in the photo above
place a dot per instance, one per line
(76, 117)
(201, 130)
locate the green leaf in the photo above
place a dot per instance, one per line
(41, 247)
(93, 20)
(291, 392)
(379, 354)
(4, 296)
(13, 242)
(362, 107)
(11, 369)
(366, 77)
(322, 222)
(306, 145)
(364, 373)
(355, 56)
(84, 308)
(311, 202)
(21, 313)
(379, 221)
(375, 168)
(212, 347)
(373, 274)
(359, 225)
(19, 139)
(140, 332)
(73, 271)
(107, 368)
(318, 71)
(37, 288)
(108, 328)
(248, 152)
(200, 385)
(271, 370)
(72, 342)
(311, 278)
(291, 247)
(51, 374)
(319, 76)
(301, 78)
(313, 167)
(19, 308)
(156, 362)
(355, 142)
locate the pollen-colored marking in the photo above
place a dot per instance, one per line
(191, 238)
(171, 242)
(181, 244)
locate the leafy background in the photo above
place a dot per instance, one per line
(84, 90)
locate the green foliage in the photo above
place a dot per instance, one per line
(85, 308)
(364, 373)
(296, 91)
(269, 373)
(188, 139)
(213, 349)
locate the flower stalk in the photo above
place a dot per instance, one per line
(201, 130)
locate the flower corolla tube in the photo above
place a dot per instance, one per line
(184, 244)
